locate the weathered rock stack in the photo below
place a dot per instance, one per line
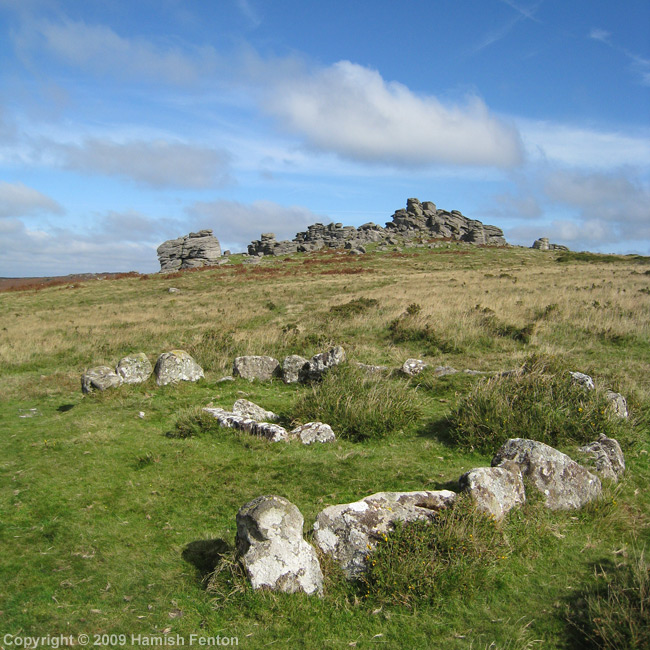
(191, 251)
(543, 244)
(417, 221)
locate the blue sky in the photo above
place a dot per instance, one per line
(123, 124)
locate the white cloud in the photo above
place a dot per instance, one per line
(237, 224)
(155, 163)
(350, 110)
(18, 200)
(99, 49)
(640, 64)
(582, 147)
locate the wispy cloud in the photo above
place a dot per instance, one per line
(155, 163)
(639, 63)
(249, 12)
(18, 200)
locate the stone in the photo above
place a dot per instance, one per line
(135, 368)
(564, 484)
(272, 432)
(371, 370)
(250, 410)
(319, 364)
(99, 378)
(176, 365)
(606, 456)
(272, 550)
(583, 380)
(256, 367)
(191, 251)
(442, 371)
(495, 490)
(543, 244)
(313, 432)
(224, 379)
(413, 367)
(292, 367)
(617, 404)
(348, 532)
(173, 290)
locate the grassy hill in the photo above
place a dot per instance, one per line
(112, 522)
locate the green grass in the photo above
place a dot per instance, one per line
(109, 525)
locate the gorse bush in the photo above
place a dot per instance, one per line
(425, 561)
(542, 403)
(358, 405)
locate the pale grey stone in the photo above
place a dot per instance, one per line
(583, 380)
(564, 484)
(495, 490)
(292, 367)
(272, 432)
(313, 432)
(176, 365)
(99, 378)
(191, 251)
(413, 367)
(617, 404)
(348, 532)
(606, 456)
(256, 367)
(250, 410)
(272, 549)
(134, 368)
(321, 363)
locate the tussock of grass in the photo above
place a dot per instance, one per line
(425, 561)
(542, 403)
(357, 405)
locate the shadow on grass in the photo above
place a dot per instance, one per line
(204, 554)
(438, 430)
(64, 408)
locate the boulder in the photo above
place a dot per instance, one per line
(348, 532)
(606, 457)
(252, 411)
(272, 432)
(583, 380)
(319, 364)
(313, 432)
(564, 484)
(413, 367)
(495, 490)
(617, 404)
(256, 367)
(135, 368)
(175, 366)
(291, 368)
(99, 378)
(191, 251)
(272, 550)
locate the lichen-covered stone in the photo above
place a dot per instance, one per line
(313, 432)
(99, 378)
(606, 456)
(292, 367)
(272, 549)
(256, 367)
(176, 365)
(250, 410)
(617, 404)
(321, 363)
(413, 367)
(135, 368)
(495, 490)
(348, 532)
(272, 432)
(564, 484)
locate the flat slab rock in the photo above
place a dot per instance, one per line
(272, 432)
(348, 532)
(176, 365)
(251, 410)
(495, 490)
(256, 367)
(564, 484)
(272, 549)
